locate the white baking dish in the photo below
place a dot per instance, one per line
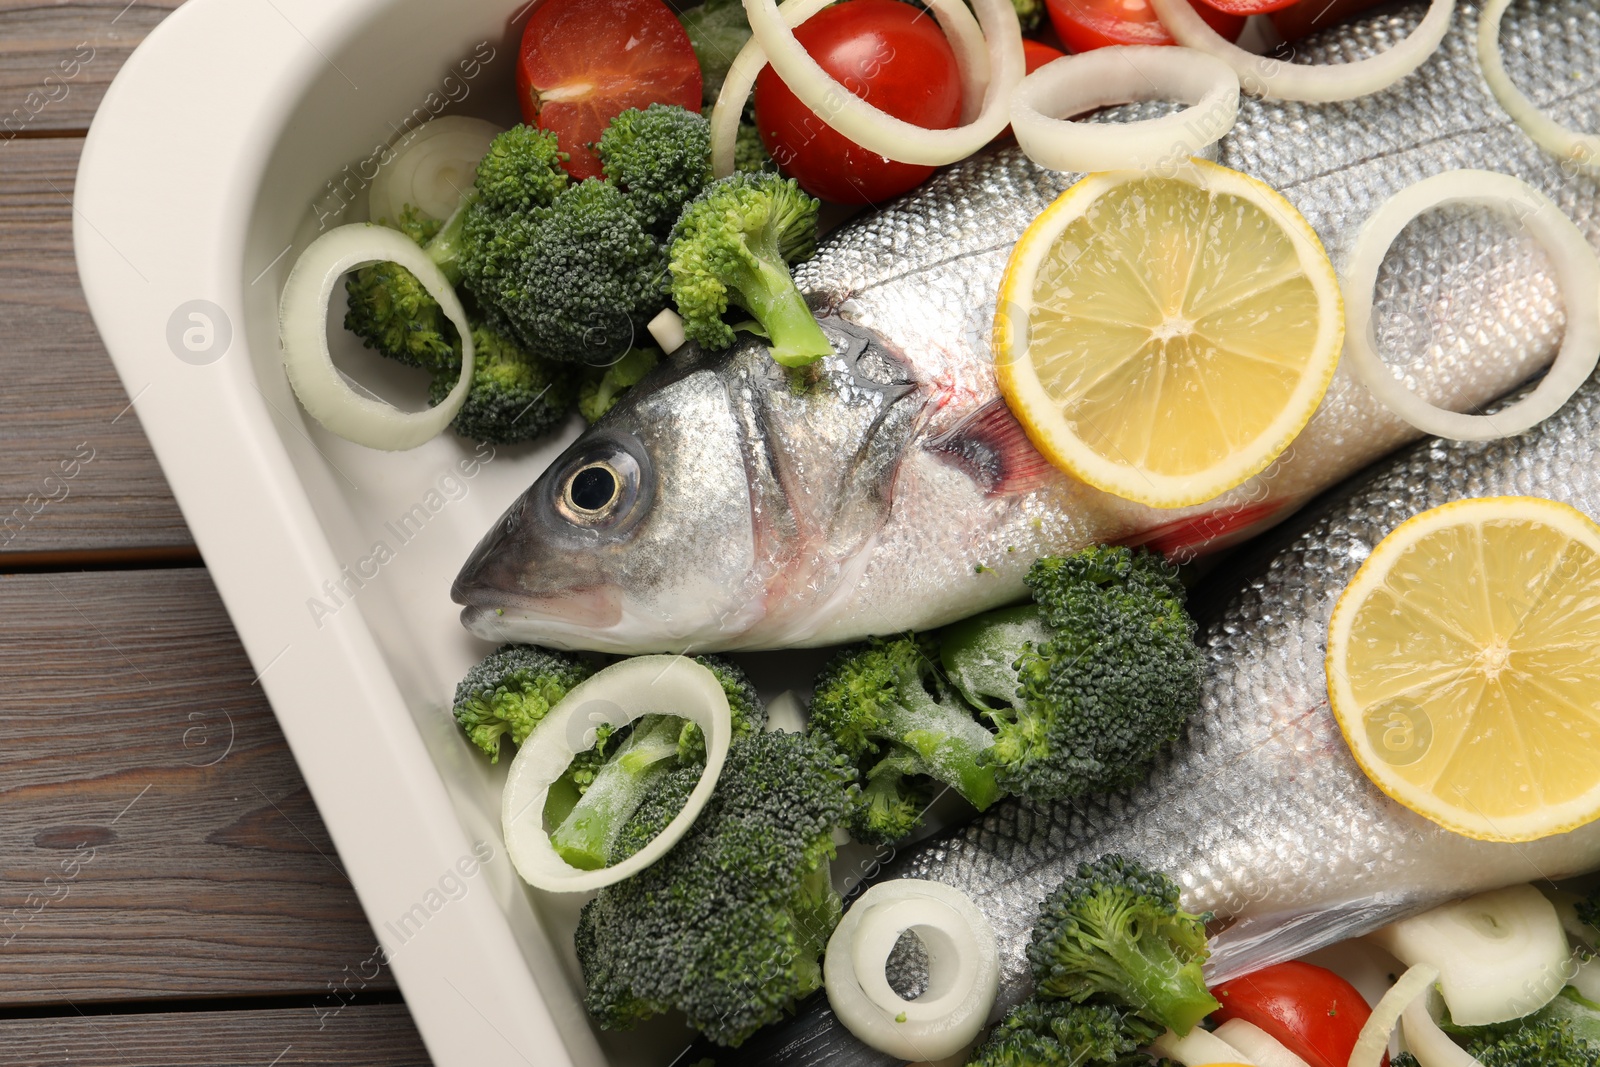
(206, 170)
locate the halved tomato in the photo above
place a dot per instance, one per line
(583, 62)
(1307, 1009)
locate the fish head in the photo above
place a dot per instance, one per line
(637, 538)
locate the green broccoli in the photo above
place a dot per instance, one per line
(1041, 1032)
(730, 925)
(717, 30)
(1030, 13)
(1403, 1059)
(515, 396)
(1544, 1043)
(575, 281)
(511, 690)
(1089, 682)
(660, 158)
(601, 388)
(886, 705)
(733, 244)
(1114, 930)
(657, 745)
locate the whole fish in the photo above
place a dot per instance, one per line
(719, 506)
(1259, 812)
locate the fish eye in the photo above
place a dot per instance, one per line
(593, 489)
(604, 487)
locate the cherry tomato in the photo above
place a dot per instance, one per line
(1036, 54)
(1308, 1010)
(1086, 24)
(885, 52)
(1247, 7)
(1308, 16)
(583, 62)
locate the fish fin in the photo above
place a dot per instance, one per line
(1184, 539)
(990, 445)
(1258, 941)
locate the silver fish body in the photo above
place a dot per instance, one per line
(1259, 812)
(886, 496)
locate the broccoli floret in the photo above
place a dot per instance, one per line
(886, 705)
(717, 29)
(601, 388)
(730, 925)
(1114, 930)
(1403, 1059)
(733, 244)
(388, 307)
(511, 690)
(1041, 1032)
(1086, 685)
(1549, 1042)
(1030, 13)
(656, 746)
(574, 281)
(514, 396)
(660, 158)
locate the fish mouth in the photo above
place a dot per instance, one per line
(562, 620)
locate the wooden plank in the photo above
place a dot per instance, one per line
(79, 475)
(157, 840)
(380, 1035)
(56, 59)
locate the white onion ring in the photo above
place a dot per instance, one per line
(430, 168)
(1430, 1045)
(1196, 1048)
(1274, 79)
(1258, 1046)
(303, 331)
(1047, 99)
(617, 695)
(1581, 149)
(963, 969)
(876, 130)
(1577, 271)
(1374, 1039)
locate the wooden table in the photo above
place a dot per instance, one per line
(168, 894)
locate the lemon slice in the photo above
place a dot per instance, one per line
(1464, 667)
(1165, 338)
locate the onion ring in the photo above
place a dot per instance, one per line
(431, 168)
(1373, 1041)
(667, 330)
(1259, 1047)
(963, 969)
(617, 695)
(1196, 1048)
(303, 330)
(1274, 79)
(1576, 267)
(876, 130)
(1043, 104)
(1580, 149)
(1430, 1045)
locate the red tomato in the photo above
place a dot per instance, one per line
(1308, 1010)
(583, 62)
(887, 53)
(1086, 24)
(1308, 16)
(1036, 54)
(1247, 7)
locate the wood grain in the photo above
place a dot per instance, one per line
(359, 1036)
(56, 59)
(157, 840)
(60, 399)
